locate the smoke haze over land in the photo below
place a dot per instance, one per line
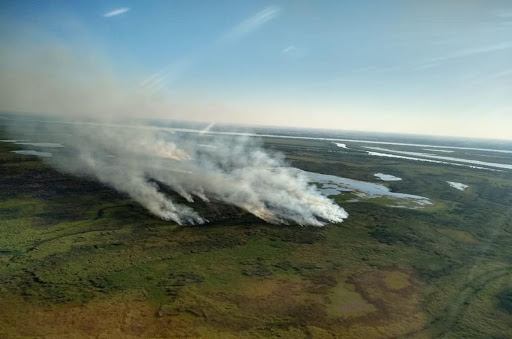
(143, 161)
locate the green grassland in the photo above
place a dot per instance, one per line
(78, 259)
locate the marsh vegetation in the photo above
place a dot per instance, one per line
(94, 262)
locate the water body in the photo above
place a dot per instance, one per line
(388, 155)
(41, 144)
(12, 140)
(340, 145)
(457, 185)
(444, 158)
(31, 152)
(438, 150)
(387, 177)
(38, 144)
(334, 185)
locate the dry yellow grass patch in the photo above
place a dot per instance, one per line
(396, 280)
(394, 297)
(116, 317)
(346, 302)
(255, 288)
(460, 236)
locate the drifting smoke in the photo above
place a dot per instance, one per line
(140, 160)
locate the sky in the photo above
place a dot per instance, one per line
(422, 67)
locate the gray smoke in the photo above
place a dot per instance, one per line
(137, 159)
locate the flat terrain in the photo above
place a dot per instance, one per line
(78, 259)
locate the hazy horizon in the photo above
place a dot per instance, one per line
(248, 128)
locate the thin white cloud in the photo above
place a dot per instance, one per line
(487, 79)
(252, 23)
(478, 50)
(166, 75)
(289, 50)
(117, 11)
(151, 79)
(174, 70)
(465, 53)
(502, 74)
(505, 15)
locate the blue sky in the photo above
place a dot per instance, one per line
(430, 67)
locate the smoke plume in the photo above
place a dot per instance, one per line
(140, 160)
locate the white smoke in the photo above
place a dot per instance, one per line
(138, 161)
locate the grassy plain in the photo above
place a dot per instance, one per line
(78, 259)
